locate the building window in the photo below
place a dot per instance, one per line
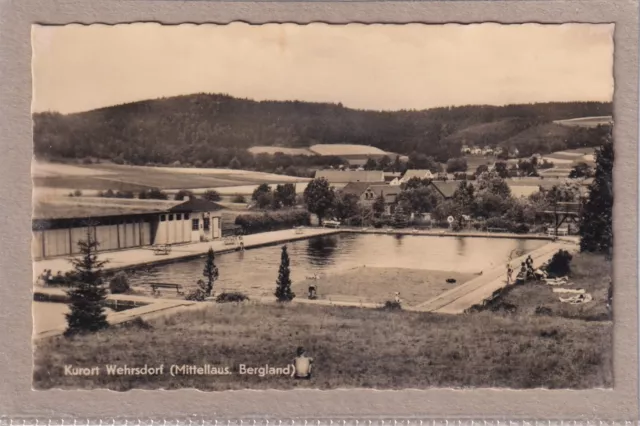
(162, 218)
(179, 216)
(195, 225)
(170, 217)
(186, 216)
(206, 222)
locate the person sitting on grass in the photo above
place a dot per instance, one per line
(522, 275)
(313, 291)
(397, 298)
(303, 364)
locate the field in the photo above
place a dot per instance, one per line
(566, 347)
(274, 149)
(345, 149)
(586, 121)
(136, 178)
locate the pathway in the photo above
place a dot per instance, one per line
(145, 255)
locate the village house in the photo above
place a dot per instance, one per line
(116, 224)
(368, 193)
(465, 149)
(476, 151)
(416, 173)
(346, 176)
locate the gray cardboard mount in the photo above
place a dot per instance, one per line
(18, 401)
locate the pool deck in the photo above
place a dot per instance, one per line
(124, 259)
(150, 308)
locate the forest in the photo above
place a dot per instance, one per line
(215, 130)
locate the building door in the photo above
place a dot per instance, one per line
(195, 229)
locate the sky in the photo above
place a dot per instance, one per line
(380, 67)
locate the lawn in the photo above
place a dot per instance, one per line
(588, 271)
(378, 285)
(566, 347)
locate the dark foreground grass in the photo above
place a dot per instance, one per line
(353, 347)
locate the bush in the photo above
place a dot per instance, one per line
(77, 193)
(239, 199)
(119, 283)
(390, 305)
(560, 264)
(520, 228)
(211, 195)
(197, 295)
(232, 296)
(498, 222)
(254, 223)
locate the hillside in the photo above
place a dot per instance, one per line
(217, 130)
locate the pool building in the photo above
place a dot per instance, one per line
(59, 223)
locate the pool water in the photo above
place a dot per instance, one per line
(255, 270)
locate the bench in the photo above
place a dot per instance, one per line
(230, 241)
(156, 286)
(162, 249)
(299, 231)
(561, 232)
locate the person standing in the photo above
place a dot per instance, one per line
(509, 274)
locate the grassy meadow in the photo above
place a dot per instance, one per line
(135, 178)
(566, 347)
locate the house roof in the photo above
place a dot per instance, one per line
(418, 173)
(340, 176)
(355, 188)
(86, 207)
(196, 205)
(446, 188)
(385, 189)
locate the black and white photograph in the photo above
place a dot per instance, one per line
(282, 206)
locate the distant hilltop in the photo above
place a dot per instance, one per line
(222, 131)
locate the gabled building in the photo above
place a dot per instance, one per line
(369, 193)
(117, 224)
(416, 173)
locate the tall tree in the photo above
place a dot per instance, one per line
(319, 197)
(88, 294)
(285, 195)
(370, 164)
(210, 271)
(378, 205)
(346, 206)
(596, 223)
(211, 195)
(262, 196)
(283, 284)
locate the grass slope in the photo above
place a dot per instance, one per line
(356, 347)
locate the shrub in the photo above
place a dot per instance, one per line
(212, 195)
(560, 264)
(238, 199)
(520, 228)
(232, 296)
(391, 305)
(119, 283)
(77, 193)
(254, 223)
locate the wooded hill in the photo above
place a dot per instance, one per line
(213, 129)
